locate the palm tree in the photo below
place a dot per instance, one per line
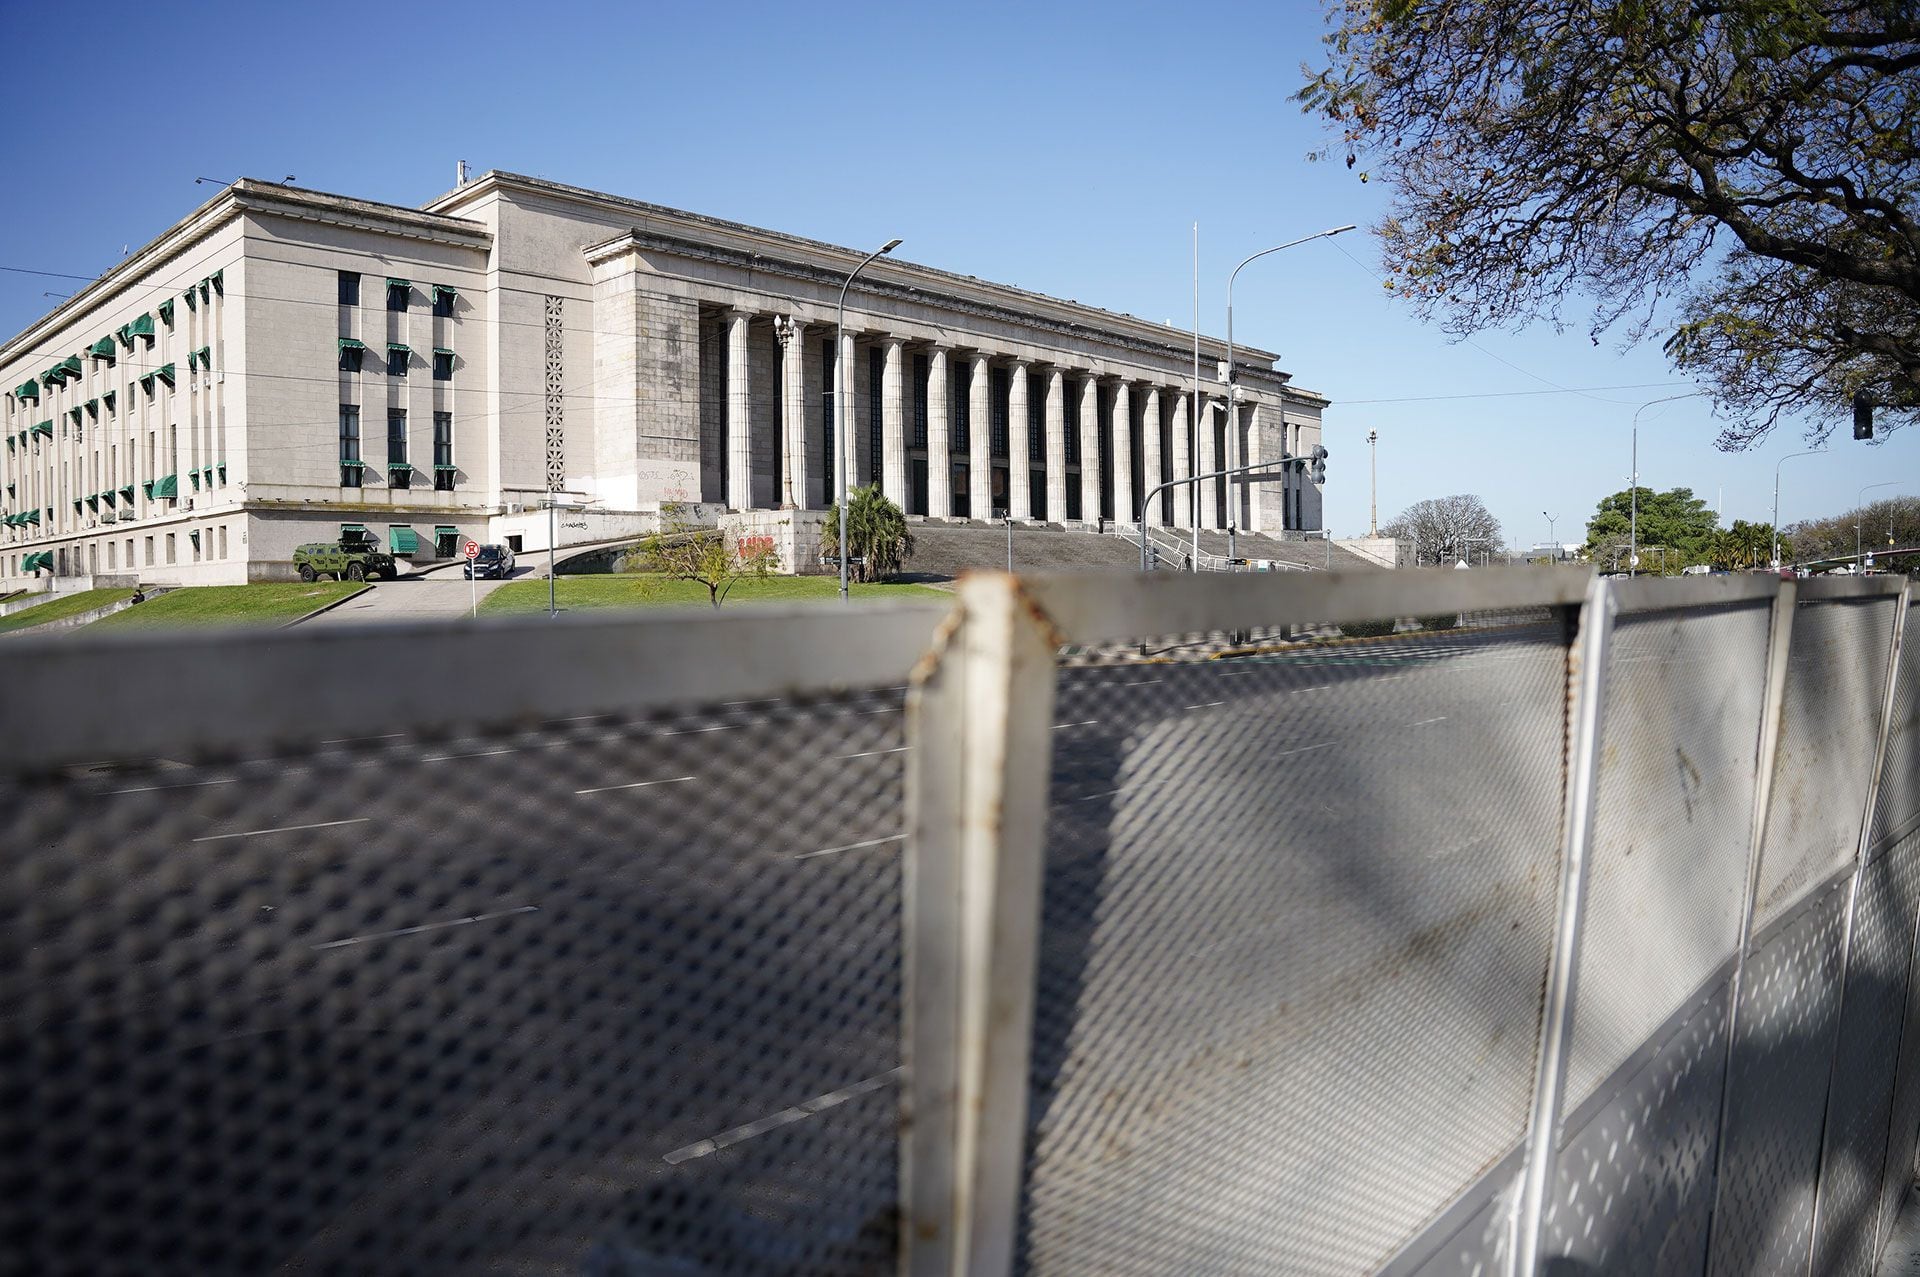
(877, 538)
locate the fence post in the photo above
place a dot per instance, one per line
(1587, 680)
(979, 719)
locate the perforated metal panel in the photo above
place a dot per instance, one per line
(1903, 1123)
(1782, 1054)
(1295, 926)
(1872, 1010)
(1897, 809)
(604, 996)
(1829, 732)
(1634, 1187)
(1481, 1247)
(1672, 825)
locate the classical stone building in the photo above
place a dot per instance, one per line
(284, 363)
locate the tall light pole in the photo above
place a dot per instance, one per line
(1859, 509)
(1373, 483)
(1776, 496)
(1633, 480)
(1233, 425)
(1553, 545)
(840, 374)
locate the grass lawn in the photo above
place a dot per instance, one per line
(223, 605)
(580, 593)
(65, 605)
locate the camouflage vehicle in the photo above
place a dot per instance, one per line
(354, 557)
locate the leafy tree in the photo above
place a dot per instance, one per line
(1895, 520)
(1446, 529)
(877, 535)
(1675, 520)
(1744, 545)
(1754, 163)
(687, 551)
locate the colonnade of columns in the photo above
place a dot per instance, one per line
(1106, 439)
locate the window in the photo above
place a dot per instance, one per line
(350, 464)
(351, 352)
(443, 467)
(442, 364)
(349, 288)
(397, 359)
(920, 375)
(959, 409)
(1072, 423)
(1036, 419)
(399, 473)
(149, 550)
(876, 394)
(442, 301)
(1002, 383)
(827, 377)
(173, 549)
(398, 291)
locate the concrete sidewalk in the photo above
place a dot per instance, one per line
(436, 595)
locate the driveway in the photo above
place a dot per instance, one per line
(439, 594)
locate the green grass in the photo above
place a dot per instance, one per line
(228, 605)
(581, 593)
(64, 606)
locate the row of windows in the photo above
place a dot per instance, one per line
(400, 470)
(399, 294)
(353, 353)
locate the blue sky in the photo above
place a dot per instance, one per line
(1067, 149)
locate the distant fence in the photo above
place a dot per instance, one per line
(1570, 928)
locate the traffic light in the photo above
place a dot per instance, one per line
(1862, 416)
(1319, 471)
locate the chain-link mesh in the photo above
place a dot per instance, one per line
(1673, 824)
(1897, 809)
(1297, 910)
(1829, 733)
(608, 996)
(1903, 1122)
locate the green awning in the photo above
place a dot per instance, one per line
(108, 399)
(71, 366)
(447, 466)
(12, 443)
(166, 312)
(206, 472)
(353, 461)
(193, 477)
(392, 346)
(75, 414)
(194, 536)
(147, 488)
(401, 539)
(193, 360)
(93, 409)
(222, 468)
(41, 428)
(126, 494)
(399, 283)
(219, 281)
(165, 373)
(142, 327)
(443, 530)
(30, 516)
(352, 527)
(42, 561)
(400, 465)
(79, 501)
(166, 486)
(93, 501)
(444, 290)
(102, 349)
(206, 356)
(193, 303)
(146, 382)
(28, 389)
(109, 496)
(352, 343)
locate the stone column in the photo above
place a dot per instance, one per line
(1019, 445)
(1182, 467)
(792, 335)
(980, 439)
(739, 436)
(1253, 455)
(893, 425)
(840, 437)
(1120, 436)
(1150, 456)
(939, 438)
(1056, 428)
(1205, 461)
(1090, 449)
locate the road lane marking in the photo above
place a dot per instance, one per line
(1142, 682)
(638, 784)
(425, 926)
(286, 829)
(1423, 722)
(1105, 793)
(1088, 722)
(875, 753)
(485, 753)
(785, 1117)
(188, 784)
(852, 846)
(1323, 687)
(349, 740)
(1204, 705)
(1307, 749)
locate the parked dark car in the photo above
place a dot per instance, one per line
(493, 561)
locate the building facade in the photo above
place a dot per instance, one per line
(285, 364)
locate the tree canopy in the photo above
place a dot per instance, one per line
(685, 550)
(1675, 519)
(1446, 529)
(1890, 523)
(1739, 175)
(877, 538)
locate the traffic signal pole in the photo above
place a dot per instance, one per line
(1262, 466)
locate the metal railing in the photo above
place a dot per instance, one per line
(1538, 923)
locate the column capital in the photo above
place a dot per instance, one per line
(894, 343)
(735, 313)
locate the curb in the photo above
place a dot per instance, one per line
(305, 617)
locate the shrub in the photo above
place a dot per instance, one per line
(1366, 629)
(1443, 622)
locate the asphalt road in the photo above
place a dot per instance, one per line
(441, 594)
(625, 997)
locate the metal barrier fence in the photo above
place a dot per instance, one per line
(1544, 924)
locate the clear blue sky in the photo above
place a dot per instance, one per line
(1066, 149)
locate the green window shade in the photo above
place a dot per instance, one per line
(11, 444)
(108, 399)
(396, 348)
(77, 503)
(443, 530)
(147, 488)
(28, 389)
(402, 540)
(75, 414)
(93, 501)
(206, 357)
(71, 366)
(93, 409)
(399, 283)
(194, 536)
(353, 529)
(167, 486)
(165, 373)
(193, 303)
(125, 333)
(193, 477)
(142, 327)
(109, 496)
(102, 349)
(166, 312)
(126, 494)
(41, 428)
(30, 516)
(353, 461)
(146, 382)
(352, 343)
(193, 360)
(445, 291)
(397, 466)
(449, 467)
(222, 469)
(219, 281)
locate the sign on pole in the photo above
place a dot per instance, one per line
(472, 551)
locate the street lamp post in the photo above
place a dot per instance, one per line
(1233, 431)
(1633, 480)
(1859, 509)
(840, 374)
(1776, 496)
(553, 503)
(1553, 546)
(1373, 483)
